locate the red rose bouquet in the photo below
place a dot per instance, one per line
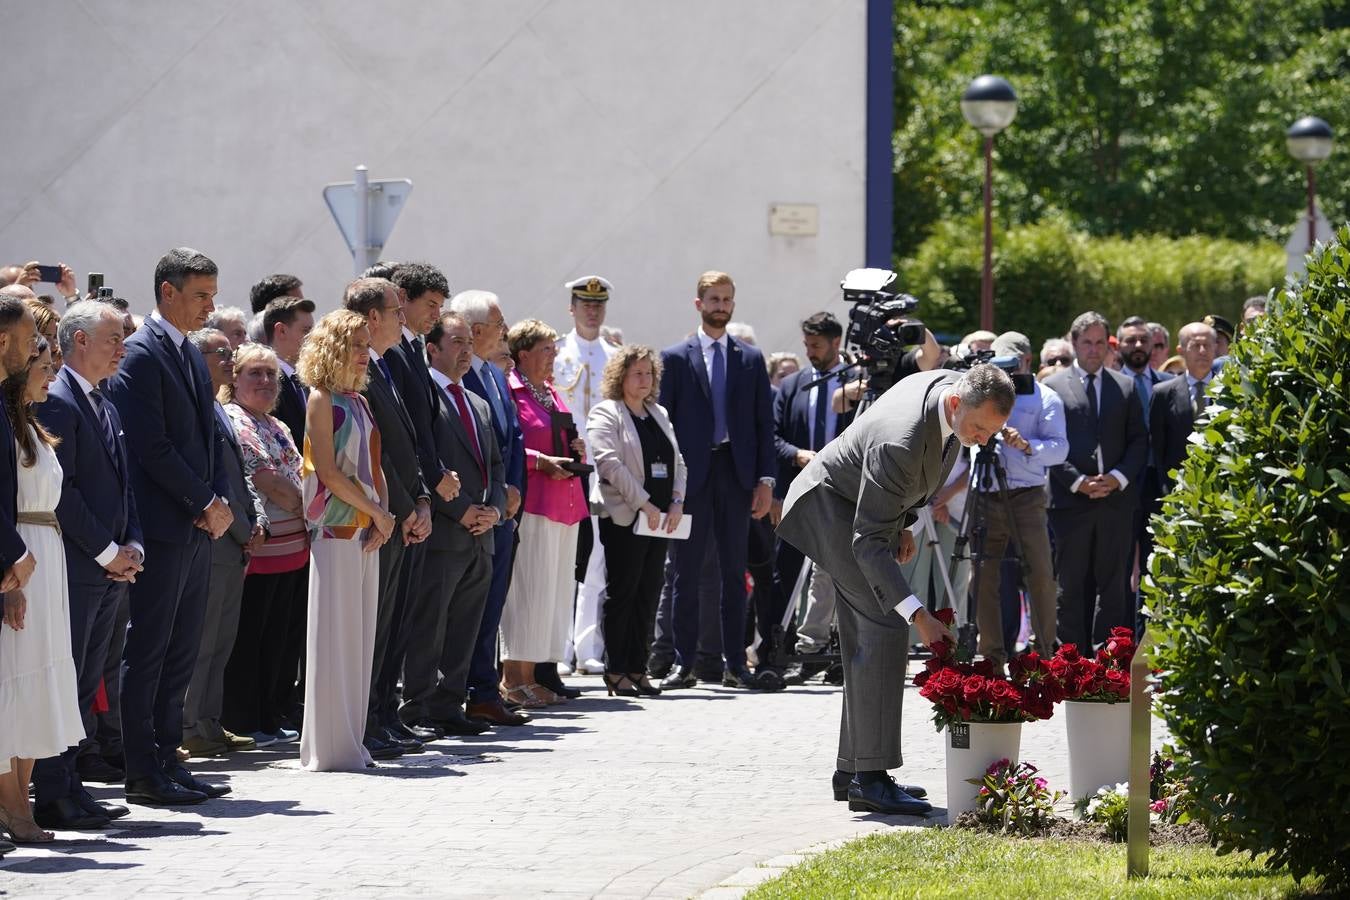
(1104, 678)
(963, 691)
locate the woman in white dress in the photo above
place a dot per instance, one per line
(39, 703)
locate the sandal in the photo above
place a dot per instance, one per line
(546, 695)
(23, 830)
(523, 696)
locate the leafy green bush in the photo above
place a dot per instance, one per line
(1248, 585)
(1045, 274)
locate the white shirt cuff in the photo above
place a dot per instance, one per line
(26, 554)
(139, 548)
(908, 607)
(1081, 479)
(108, 554)
(1124, 482)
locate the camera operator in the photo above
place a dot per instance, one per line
(1033, 441)
(922, 358)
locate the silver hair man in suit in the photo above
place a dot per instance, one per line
(849, 511)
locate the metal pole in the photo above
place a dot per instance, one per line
(362, 191)
(987, 280)
(1136, 852)
(1312, 209)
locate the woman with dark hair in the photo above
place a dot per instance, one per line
(39, 709)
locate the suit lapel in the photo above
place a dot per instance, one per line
(90, 415)
(694, 351)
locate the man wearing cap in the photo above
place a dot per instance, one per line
(1224, 331)
(1032, 441)
(577, 370)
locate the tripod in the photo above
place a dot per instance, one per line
(987, 475)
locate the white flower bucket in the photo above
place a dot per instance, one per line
(1099, 745)
(971, 749)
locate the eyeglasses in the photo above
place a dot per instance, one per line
(224, 353)
(1159, 345)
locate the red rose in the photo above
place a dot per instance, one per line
(984, 667)
(946, 616)
(1068, 653)
(1120, 631)
(1118, 682)
(921, 678)
(946, 682)
(973, 689)
(1005, 697)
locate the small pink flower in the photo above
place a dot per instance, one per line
(1042, 784)
(1158, 806)
(996, 766)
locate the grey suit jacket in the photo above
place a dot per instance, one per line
(848, 506)
(454, 449)
(244, 501)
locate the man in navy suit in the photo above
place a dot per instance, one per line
(163, 393)
(804, 422)
(286, 322)
(716, 390)
(482, 310)
(102, 536)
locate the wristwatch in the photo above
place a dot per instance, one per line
(769, 480)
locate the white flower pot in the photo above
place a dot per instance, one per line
(971, 749)
(1099, 745)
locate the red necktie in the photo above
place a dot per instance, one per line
(470, 426)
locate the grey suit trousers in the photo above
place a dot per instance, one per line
(202, 706)
(874, 660)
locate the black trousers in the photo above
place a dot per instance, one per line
(257, 671)
(1093, 543)
(634, 571)
(390, 613)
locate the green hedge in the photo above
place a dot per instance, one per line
(1045, 274)
(1250, 586)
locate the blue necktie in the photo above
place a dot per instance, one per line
(384, 370)
(105, 421)
(719, 395)
(1143, 386)
(818, 427)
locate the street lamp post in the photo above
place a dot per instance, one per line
(989, 105)
(1310, 141)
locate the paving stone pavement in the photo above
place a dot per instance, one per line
(601, 797)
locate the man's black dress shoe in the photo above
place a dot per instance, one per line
(406, 744)
(159, 790)
(679, 677)
(660, 666)
(841, 780)
(764, 680)
(95, 808)
(707, 671)
(457, 723)
(182, 777)
(379, 748)
(92, 767)
(546, 674)
(884, 796)
(414, 732)
(68, 814)
(6, 847)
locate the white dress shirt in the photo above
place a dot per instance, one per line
(1097, 385)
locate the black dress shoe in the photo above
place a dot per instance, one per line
(67, 814)
(841, 780)
(884, 796)
(679, 677)
(708, 672)
(406, 744)
(379, 748)
(765, 680)
(92, 767)
(182, 777)
(659, 666)
(422, 733)
(6, 847)
(95, 808)
(546, 675)
(457, 723)
(159, 790)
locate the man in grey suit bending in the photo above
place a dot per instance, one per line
(849, 511)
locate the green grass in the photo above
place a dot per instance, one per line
(956, 863)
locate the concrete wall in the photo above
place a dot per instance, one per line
(642, 141)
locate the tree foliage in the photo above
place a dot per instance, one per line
(1250, 585)
(1135, 116)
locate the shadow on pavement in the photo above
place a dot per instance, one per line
(57, 865)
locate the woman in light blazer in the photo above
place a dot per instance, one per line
(640, 472)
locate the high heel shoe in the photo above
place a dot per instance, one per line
(23, 830)
(619, 684)
(643, 685)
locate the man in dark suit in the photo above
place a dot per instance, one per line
(18, 347)
(804, 422)
(203, 735)
(716, 390)
(163, 392)
(482, 310)
(1091, 500)
(1178, 402)
(286, 322)
(850, 511)
(409, 502)
(101, 533)
(457, 570)
(1134, 338)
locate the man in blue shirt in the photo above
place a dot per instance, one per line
(1033, 441)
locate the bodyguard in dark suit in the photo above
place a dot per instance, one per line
(850, 510)
(482, 310)
(1091, 501)
(286, 321)
(717, 393)
(409, 503)
(101, 533)
(1178, 402)
(1135, 339)
(163, 393)
(457, 570)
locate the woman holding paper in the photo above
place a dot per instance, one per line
(640, 472)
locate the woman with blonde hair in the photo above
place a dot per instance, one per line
(537, 617)
(347, 509)
(641, 476)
